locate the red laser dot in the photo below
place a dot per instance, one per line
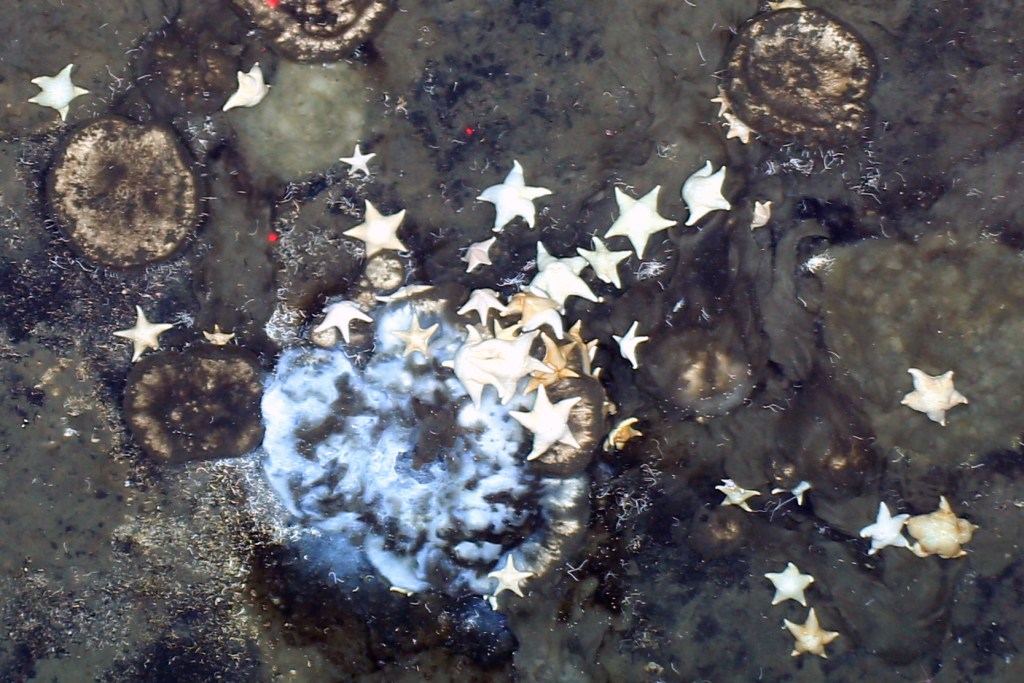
(273, 237)
(469, 131)
(273, 3)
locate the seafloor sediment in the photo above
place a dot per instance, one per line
(776, 355)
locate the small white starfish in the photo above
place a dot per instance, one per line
(417, 338)
(251, 89)
(359, 162)
(638, 219)
(735, 494)
(218, 337)
(702, 193)
(790, 584)
(604, 261)
(886, 530)
(481, 302)
(145, 335)
(512, 198)
(340, 315)
(548, 421)
(797, 491)
(809, 636)
(762, 214)
(378, 232)
(737, 129)
(628, 343)
(57, 91)
(722, 100)
(477, 254)
(509, 578)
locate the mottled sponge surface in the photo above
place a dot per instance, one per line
(197, 405)
(124, 192)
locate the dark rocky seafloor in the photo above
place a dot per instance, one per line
(899, 247)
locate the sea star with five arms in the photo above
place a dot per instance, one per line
(359, 162)
(512, 197)
(378, 232)
(548, 421)
(417, 338)
(933, 395)
(790, 584)
(810, 637)
(638, 219)
(557, 358)
(604, 261)
(145, 335)
(509, 578)
(887, 530)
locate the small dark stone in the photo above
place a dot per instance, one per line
(718, 532)
(186, 71)
(481, 633)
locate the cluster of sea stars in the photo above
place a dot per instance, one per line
(737, 128)
(810, 638)
(496, 353)
(939, 533)
(57, 92)
(638, 220)
(790, 583)
(500, 357)
(497, 356)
